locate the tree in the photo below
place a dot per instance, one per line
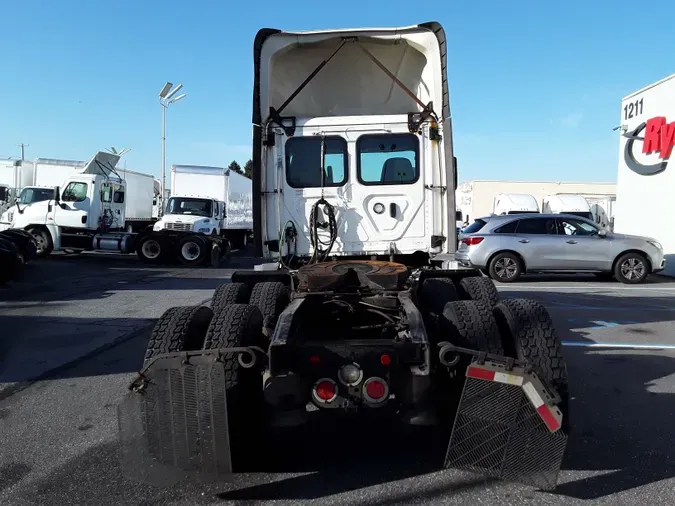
(248, 169)
(235, 167)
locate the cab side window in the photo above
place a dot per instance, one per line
(74, 192)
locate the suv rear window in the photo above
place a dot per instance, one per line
(509, 228)
(474, 227)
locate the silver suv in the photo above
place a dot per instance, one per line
(511, 245)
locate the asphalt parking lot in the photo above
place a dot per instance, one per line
(59, 435)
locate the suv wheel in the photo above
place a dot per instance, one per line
(505, 268)
(631, 268)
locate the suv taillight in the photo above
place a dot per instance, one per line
(472, 241)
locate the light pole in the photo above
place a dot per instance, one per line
(166, 99)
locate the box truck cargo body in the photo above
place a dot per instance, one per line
(209, 200)
(646, 173)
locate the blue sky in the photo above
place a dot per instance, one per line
(535, 86)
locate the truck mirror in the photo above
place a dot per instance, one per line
(57, 194)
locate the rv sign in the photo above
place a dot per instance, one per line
(659, 139)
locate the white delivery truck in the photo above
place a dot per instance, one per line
(515, 203)
(42, 176)
(602, 210)
(14, 175)
(88, 212)
(566, 203)
(209, 200)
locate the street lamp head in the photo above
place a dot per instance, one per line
(165, 90)
(174, 91)
(179, 97)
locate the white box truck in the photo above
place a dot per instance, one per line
(15, 174)
(88, 212)
(209, 200)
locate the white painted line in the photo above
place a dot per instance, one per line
(639, 346)
(584, 288)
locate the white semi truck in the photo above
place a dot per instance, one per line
(213, 201)
(88, 211)
(602, 209)
(358, 313)
(566, 203)
(515, 203)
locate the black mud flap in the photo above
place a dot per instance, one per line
(173, 422)
(508, 427)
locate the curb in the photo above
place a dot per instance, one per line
(13, 388)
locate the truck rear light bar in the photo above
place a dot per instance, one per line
(325, 390)
(375, 390)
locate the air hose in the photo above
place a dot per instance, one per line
(321, 246)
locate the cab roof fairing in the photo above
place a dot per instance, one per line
(350, 84)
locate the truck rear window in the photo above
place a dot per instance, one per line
(387, 159)
(303, 162)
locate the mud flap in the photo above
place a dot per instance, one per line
(508, 427)
(173, 422)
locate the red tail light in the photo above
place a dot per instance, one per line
(375, 390)
(325, 390)
(472, 241)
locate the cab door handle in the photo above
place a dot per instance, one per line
(392, 210)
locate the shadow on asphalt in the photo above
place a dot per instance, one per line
(92, 275)
(621, 410)
(622, 426)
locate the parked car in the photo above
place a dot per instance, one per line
(512, 245)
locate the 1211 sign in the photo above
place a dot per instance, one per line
(632, 109)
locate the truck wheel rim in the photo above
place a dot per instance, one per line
(506, 268)
(190, 251)
(151, 249)
(40, 242)
(632, 269)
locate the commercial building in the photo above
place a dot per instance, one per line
(646, 175)
(476, 198)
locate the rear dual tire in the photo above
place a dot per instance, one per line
(435, 293)
(11, 266)
(516, 328)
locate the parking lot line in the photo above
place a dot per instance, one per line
(641, 346)
(584, 287)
